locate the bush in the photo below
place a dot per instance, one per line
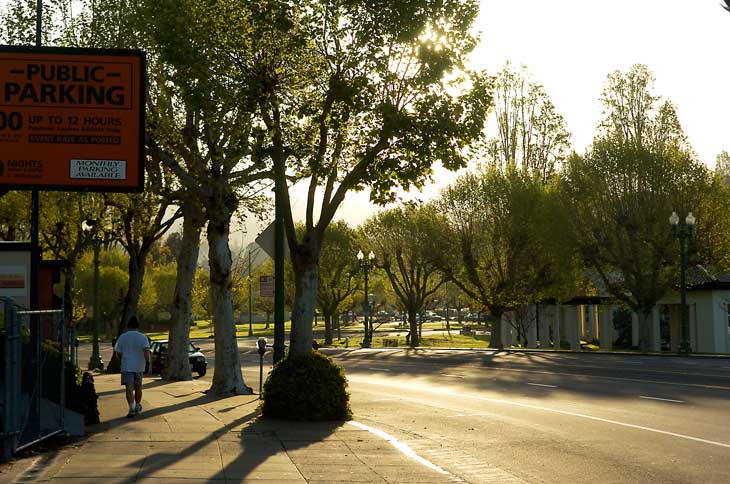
(83, 399)
(80, 392)
(311, 388)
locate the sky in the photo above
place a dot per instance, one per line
(570, 46)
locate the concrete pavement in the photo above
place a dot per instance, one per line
(184, 436)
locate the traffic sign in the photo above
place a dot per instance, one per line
(266, 286)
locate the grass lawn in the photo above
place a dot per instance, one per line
(204, 330)
(456, 340)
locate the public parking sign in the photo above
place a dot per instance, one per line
(72, 119)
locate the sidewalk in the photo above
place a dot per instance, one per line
(184, 436)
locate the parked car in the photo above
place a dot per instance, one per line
(198, 363)
(432, 316)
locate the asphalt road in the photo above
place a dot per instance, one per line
(544, 417)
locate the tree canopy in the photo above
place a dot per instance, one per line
(621, 192)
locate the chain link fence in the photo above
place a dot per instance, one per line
(34, 346)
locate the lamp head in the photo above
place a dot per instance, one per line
(690, 220)
(360, 255)
(674, 219)
(371, 256)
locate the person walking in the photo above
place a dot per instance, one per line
(133, 349)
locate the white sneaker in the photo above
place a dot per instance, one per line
(138, 408)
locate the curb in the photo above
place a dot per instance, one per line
(536, 350)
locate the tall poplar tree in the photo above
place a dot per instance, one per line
(638, 170)
(530, 132)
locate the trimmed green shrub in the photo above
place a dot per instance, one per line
(310, 388)
(81, 396)
(80, 391)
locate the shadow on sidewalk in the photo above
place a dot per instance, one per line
(147, 414)
(266, 438)
(248, 444)
(148, 383)
(252, 450)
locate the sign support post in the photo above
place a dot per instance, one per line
(35, 202)
(35, 255)
(279, 345)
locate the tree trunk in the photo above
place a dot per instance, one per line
(134, 290)
(305, 274)
(227, 379)
(131, 301)
(495, 338)
(413, 324)
(646, 329)
(178, 364)
(338, 324)
(328, 318)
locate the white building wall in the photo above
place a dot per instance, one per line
(656, 343)
(572, 326)
(720, 301)
(605, 327)
(547, 314)
(701, 328)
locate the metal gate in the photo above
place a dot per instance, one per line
(32, 397)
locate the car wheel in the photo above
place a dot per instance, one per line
(202, 371)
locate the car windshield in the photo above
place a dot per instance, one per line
(162, 347)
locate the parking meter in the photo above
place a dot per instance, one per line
(261, 343)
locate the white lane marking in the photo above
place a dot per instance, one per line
(661, 399)
(451, 375)
(385, 399)
(542, 385)
(400, 446)
(378, 369)
(554, 410)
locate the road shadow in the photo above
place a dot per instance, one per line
(542, 373)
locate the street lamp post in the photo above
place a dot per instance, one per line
(250, 297)
(95, 362)
(683, 232)
(367, 265)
